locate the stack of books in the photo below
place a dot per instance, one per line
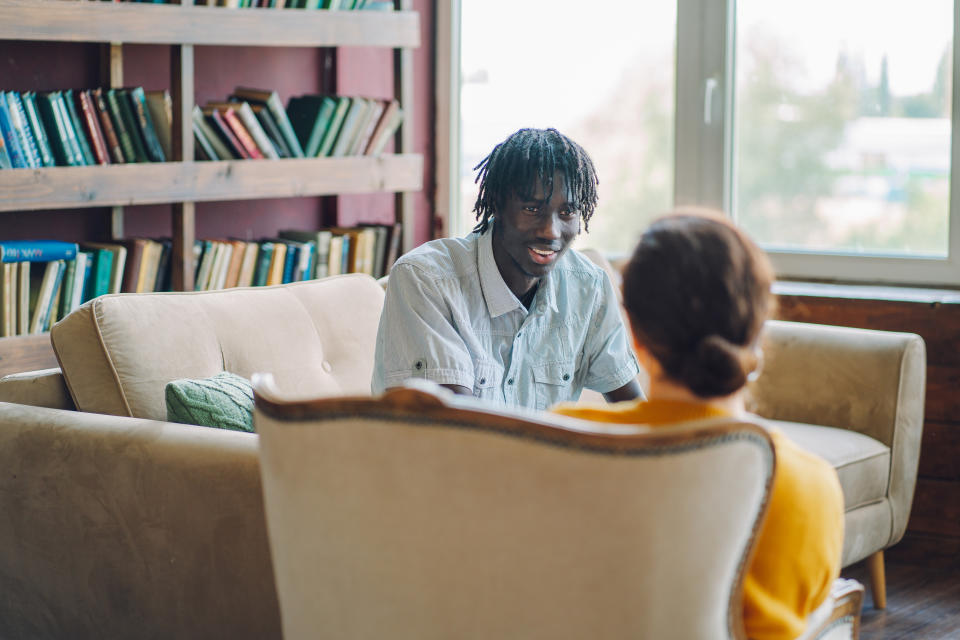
(295, 255)
(341, 5)
(84, 127)
(253, 124)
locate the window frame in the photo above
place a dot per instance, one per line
(704, 160)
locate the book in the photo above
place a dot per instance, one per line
(381, 235)
(44, 295)
(81, 272)
(264, 258)
(221, 260)
(23, 298)
(216, 120)
(238, 248)
(10, 139)
(336, 121)
(131, 270)
(310, 116)
(100, 276)
(81, 139)
(160, 106)
(21, 127)
(8, 299)
(348, 130)
(91, 125)
(204, 148)
(36, 250)
(251, 125)
(272, 130)
(36, 126)
(321, 248)
(117, 262)
(389, 123)
(123, 122)
(144, 123)
(202, 278)
(217, 145)
(53, 309)
(232, 118)
(4, 156)
(277, 263)
(394, 242)
(248, 265)
(162, 281)
(88, 274)
(65, 295)
(376, 109)
(272, 101)
(106, 125)
(335, 257)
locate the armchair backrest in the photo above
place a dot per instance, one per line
(422, 516)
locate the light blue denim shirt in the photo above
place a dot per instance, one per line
(449, 317)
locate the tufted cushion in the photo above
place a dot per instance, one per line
(119, 351)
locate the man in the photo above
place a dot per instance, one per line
(510, 313)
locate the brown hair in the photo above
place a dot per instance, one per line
(697, 292)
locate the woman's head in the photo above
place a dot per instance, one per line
(697, 292)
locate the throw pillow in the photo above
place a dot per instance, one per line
(224, 400)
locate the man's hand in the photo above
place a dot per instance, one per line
(459, 389)
(629, 391)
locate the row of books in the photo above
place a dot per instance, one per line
(83, 127)
(44, 280)
(252, 124)
(296, 255)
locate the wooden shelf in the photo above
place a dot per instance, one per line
(152, 183)
(76, 21)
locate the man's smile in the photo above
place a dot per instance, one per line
(542, 256)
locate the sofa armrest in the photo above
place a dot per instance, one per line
(43, 388)
(872, 382)
(113, 526)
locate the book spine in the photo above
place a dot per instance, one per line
(259, 136)
(124, 135)
(231, 118)
(151, 142)
(17, 159)
(106, 125)
(39, 132)
(51, 313)
(68, 100)
(19, 118)
(75, 157)
(92, 125)
(226, 132)
(280, 115)
(36, 250)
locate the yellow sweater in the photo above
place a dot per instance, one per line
(798, 550)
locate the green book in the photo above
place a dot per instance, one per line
(39, 132)
(263, 264)
(52, 115)
(310, 116)
(147, 132)
(336, 122)
(71, 106)
(66, 291)
(122, 118)
(271, 100)
(99, 282)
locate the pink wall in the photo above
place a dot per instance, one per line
(291, 71)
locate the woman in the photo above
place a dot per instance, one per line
(697, 293)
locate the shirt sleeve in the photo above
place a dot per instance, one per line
(417, 337)
(610, 358)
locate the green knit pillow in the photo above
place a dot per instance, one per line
(224, 401)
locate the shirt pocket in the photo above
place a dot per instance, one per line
(486, 379)
(554, 382)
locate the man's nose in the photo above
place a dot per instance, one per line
(550, 226)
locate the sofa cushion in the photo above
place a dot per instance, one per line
(862, 463)
(224, 401)
(119, 351)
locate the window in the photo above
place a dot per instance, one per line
(824, 128)
(601, 73)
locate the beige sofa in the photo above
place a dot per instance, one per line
(124, 525)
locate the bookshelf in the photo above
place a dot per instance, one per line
(183, 182)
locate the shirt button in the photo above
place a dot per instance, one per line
(566, 377)
(483, 381)
(418, 365)
(510, 381)
(519, 333)
(326, 366)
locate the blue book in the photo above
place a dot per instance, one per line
(39, 132)
(22, 126)
(289, 261)
(10, 139)
(87, 287)
(36, 250)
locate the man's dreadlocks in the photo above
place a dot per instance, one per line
(516, 164)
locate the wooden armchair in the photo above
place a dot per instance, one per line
(421, 515)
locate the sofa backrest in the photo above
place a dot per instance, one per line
(118, 352)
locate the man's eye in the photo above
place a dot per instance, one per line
(569, 215)
(532, 209)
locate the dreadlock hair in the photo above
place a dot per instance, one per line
(516, 164)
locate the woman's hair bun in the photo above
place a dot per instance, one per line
(716, 367)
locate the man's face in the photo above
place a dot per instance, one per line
(530, 235)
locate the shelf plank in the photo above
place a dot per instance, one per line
(57, 20)
(161, 182)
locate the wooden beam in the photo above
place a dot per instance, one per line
(55, 20)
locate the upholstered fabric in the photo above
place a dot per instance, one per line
(126, 528)
(857, 380)
(41, 388)
(223, 401)
(119, 351)
(465, 523)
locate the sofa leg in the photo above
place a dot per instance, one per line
(878, 581)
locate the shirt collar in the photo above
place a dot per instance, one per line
(496, 293)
